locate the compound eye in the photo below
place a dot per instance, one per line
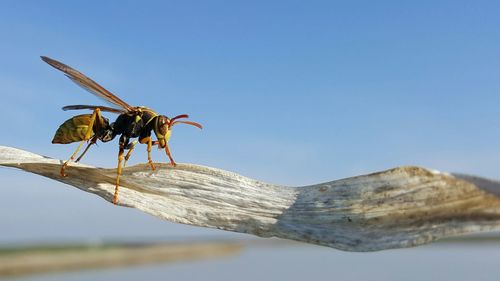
(163, 125)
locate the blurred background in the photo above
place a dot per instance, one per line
(289, 92)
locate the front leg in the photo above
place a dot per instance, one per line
(172, 162)
(167, 150)
(149, 141)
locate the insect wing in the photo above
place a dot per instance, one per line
(87, 83)
(93, 107)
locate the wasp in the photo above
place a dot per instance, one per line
(132, 122)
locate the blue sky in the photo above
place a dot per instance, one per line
(289, 92)
(319, 89)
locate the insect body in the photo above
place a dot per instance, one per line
(84, 127)
(76, 129)
(132, 122)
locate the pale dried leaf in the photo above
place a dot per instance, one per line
(401, 207)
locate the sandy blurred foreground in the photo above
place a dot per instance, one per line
(42, 259)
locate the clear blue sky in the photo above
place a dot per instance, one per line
(292, 92)
(289, 92)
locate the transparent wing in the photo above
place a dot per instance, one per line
(93, 107)
(87, 83)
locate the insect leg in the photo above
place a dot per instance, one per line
(88, 134)
(150, 144)
(170, 156)
(63, 167)
(118, 173)
(93, 141)
(130, 149)
(124, 142)
(84, 151)
(95, 115)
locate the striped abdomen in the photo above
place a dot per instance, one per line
(73, 129)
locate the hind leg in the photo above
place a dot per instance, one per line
(93, 141)
(88, 135)
(63, 167)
